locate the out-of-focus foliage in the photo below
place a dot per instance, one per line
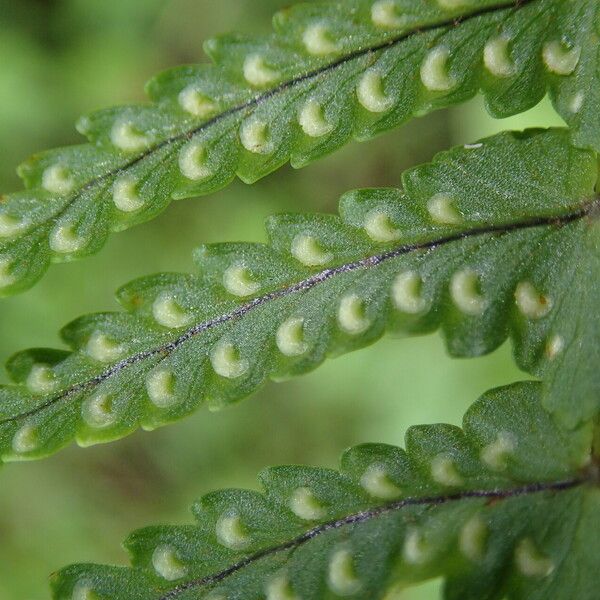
(60, 55)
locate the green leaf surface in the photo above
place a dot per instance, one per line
(330, 72)
(505, 507)
(497, 238)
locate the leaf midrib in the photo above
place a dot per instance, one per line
(378, 511)
(282, 87)
(587, 208)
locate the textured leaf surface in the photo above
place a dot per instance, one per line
(504, 508)
(330, 72)
(497, 238)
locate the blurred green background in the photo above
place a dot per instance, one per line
(62, 58)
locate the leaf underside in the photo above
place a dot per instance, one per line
(504, 508)
(330, 72)
(512, 252)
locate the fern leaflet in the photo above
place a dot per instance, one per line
(330, 72)
(515, 251)
(504, 508)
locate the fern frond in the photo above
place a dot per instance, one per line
(330, 72)
(494, 238)
(505, 507)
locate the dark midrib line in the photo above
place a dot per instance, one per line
(307, 284)
(361, 517)
(260, 98)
